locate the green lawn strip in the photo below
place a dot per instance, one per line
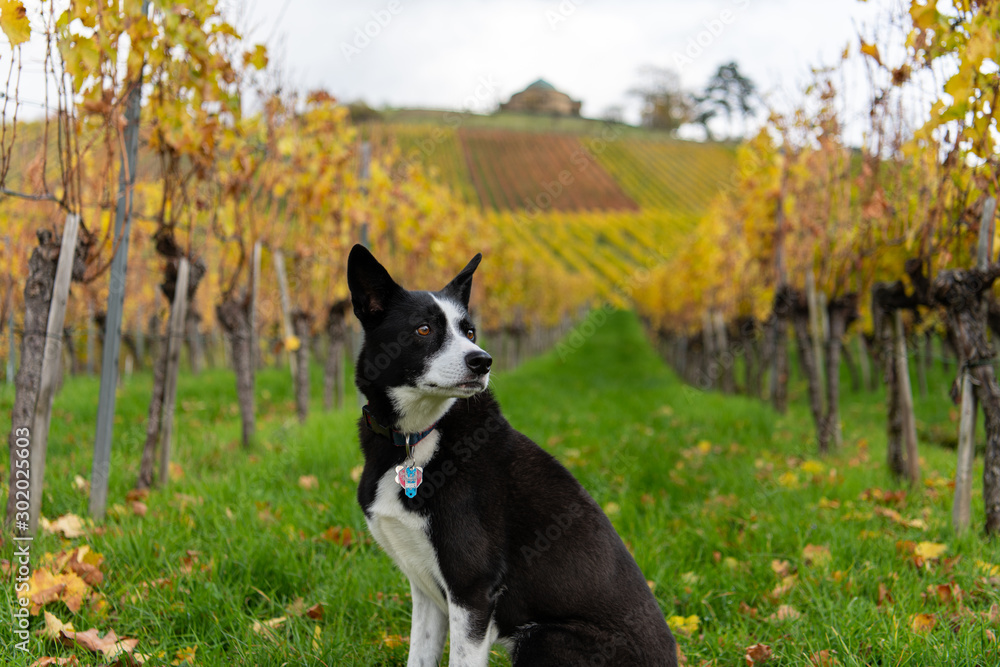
(711, 493)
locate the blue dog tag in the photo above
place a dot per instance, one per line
(409, 477)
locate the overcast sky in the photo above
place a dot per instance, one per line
(473, 54)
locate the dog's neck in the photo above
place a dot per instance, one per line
(407, 410)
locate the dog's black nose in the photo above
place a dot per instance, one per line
(479, 362)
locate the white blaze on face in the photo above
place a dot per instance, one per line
(447, 368)
(436, 390)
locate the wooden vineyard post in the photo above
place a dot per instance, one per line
(920, 352)
(961, 510)
(333, 375)
(912, 461)
(175, 340)
(780, 314)
(116, 301)
(302, 322)
(682, 350)
(816, 331)
(726, 360)
(9, 309)
(51, 362)
(357, 334)
(864, 362)
(140, 339)
(709, 368)
(11, 350)
(254, 292)
(286, 313)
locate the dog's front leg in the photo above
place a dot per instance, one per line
(428, 627)
(472, 634)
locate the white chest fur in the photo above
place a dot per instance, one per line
(405, 535)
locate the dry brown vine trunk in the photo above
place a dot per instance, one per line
(333, 376)
(852, 365)
(682, 356)
(37, 298)
(887, 298)
(147, 465)
(69, 345)
(959, 292)
(842, 311)
(234, 317)
(747, 341)
(155, 416)
(195, 339)
(724, 354)
(153, 335)
(779, 350)
(810, 368)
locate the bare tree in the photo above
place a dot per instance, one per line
(665, 106)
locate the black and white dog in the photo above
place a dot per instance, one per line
(499, 541)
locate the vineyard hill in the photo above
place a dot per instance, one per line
(524, 162)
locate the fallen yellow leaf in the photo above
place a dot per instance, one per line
(789, 480)
(812, 467)
(922, 623)
(685, 625)
(70, 525)
(930, 550)
(784, 613)
(184, 656)
(394, 641)
(53, 626)
(816, 554)
(989, 569)
(266, 628)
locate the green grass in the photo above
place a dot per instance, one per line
(707, 491)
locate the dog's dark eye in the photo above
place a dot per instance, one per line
(471, 334)
(424, 330)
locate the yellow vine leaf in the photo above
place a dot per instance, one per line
(14, 21)
(257, 57)
(924, 16)
(871, 50)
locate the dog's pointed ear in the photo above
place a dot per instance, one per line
(371, 285)
(461, 285)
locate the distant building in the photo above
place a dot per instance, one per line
(542, 97)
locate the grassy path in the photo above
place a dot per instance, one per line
(745, 537)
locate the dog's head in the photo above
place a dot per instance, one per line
(420, 348)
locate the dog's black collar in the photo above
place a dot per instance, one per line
(398, 438)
